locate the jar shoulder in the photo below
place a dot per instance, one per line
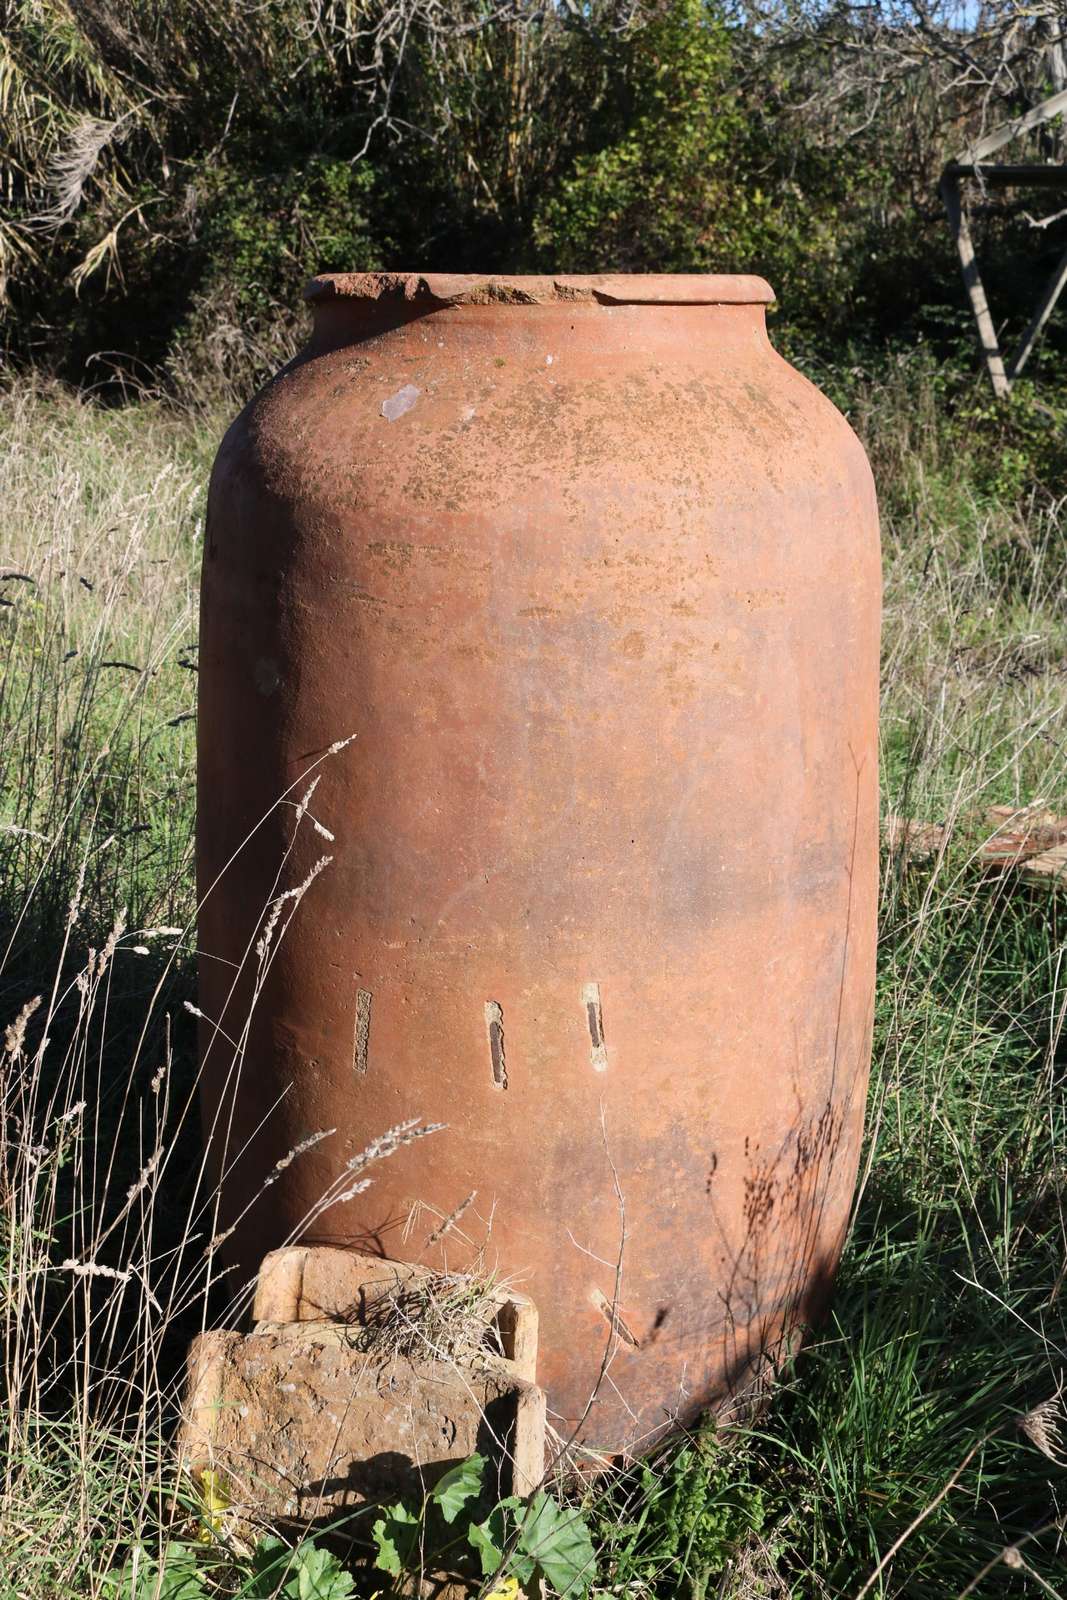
(355, 428)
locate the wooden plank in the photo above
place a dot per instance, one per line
(987, 334)
(970, 164)
(1050, 867)
(1024, 175)
(1026, 842)
(1020, 833)
(912, 839)
(1007, 131)
(1024, 349)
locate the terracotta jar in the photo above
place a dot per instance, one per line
(588, 576)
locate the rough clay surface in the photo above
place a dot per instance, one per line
(320, 1284)
(453, 288)
(302, 1423)
(600, 610)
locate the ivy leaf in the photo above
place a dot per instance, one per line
(558, 1541)
(394, 1537)
(179, 1574)
(271, 1559)
(506, 1589)
(459, 1485)
(523, 1566)
(487, 1538)
(317, 1575)
(176, 1577)
(309, 1573)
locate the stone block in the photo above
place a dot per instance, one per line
(311, 1283)
(317, 1411)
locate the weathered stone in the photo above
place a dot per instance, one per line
(302, 1423)
(305, 1283)
(331, 1402)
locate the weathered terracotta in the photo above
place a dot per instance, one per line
(592, 576)
(318, 1410)
(323, 1283)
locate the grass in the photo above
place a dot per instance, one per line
(913, 1449)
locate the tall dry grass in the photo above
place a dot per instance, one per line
(109, 1244)
(97, 631)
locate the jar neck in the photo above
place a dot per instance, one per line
(638, 327)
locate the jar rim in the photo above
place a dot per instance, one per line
(614, 288)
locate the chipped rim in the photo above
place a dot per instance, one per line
(469, 289)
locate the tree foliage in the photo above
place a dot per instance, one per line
(172, 169)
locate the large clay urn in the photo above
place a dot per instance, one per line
(588, 578)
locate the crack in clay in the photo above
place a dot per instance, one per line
(594, 1016)
(494, 1022)
(361, 1039)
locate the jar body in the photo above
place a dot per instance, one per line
(595, 587)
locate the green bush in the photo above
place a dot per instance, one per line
(172, 172)
(661, 193)
(262, 234)
(670, 1525)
